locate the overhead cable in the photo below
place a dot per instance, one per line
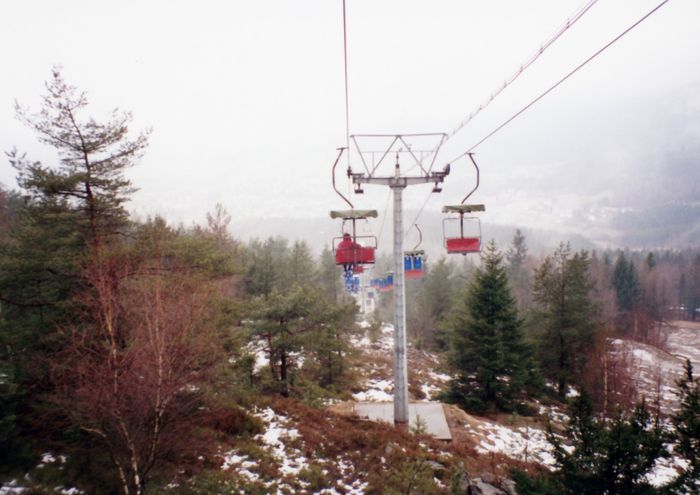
(381, 227)
(415, 220)
(347, 105)
(569, 22)
(555, 85)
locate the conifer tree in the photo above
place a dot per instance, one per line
(516, 257)
(264, 264)
(71, 208)
(598, 456)
(432, 304)
(300, 268)
(692, 300)
(488, 351)
(626, 284)
(687, 432)
(93, 157)
(561, 290)
(329, 275)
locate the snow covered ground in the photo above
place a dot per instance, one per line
(282, 441)
(683, 341)
(379, 384)
(655, 370)
(15, 487)
(523, 443)
(278, 440)
(652, 371)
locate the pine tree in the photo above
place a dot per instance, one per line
(328, 344)
(692, 300)
(516, 257)
(71, 209)
(626, 284)
(687, 432)
(561, 289)
(488, 351)
(264, 264)
(650, 261)
(329, 275)
(94, 155)
(432, 304)
(598, 456)
(683, 291)
(282, 321)
(301, 267)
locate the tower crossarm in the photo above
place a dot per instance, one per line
(399, 182)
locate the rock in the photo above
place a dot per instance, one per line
(479, 487)
(460, 480)
(390, 447)
(436, 466)
(488, 478)
(508, 486)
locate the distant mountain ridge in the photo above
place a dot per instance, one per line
(671, 225)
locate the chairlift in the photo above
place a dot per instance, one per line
(469, 239)
(386, 284)
(413, 261)
(413, 264)
(352, 284)
(352, 250)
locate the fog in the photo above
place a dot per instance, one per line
(246, 103)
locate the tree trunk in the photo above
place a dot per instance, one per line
(330, 367)
(283, 373)
(605, 381)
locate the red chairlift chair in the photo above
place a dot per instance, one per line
(469, 242)
(464, 244)
(348, 251)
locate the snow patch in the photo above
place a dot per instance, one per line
(292, 462)
(373, 396)
(665, 470)
(440, 377)
(377, 391)
(242, 465)
(12, 487)
(527, 444)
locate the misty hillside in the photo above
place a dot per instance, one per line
(673, 225)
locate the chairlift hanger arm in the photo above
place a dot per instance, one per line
(340, 153)
(471, 157)
(420, 236)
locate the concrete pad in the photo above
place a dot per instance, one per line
(430, 413)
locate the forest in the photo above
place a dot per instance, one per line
(139, 356)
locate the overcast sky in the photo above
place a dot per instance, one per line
(246, 102)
